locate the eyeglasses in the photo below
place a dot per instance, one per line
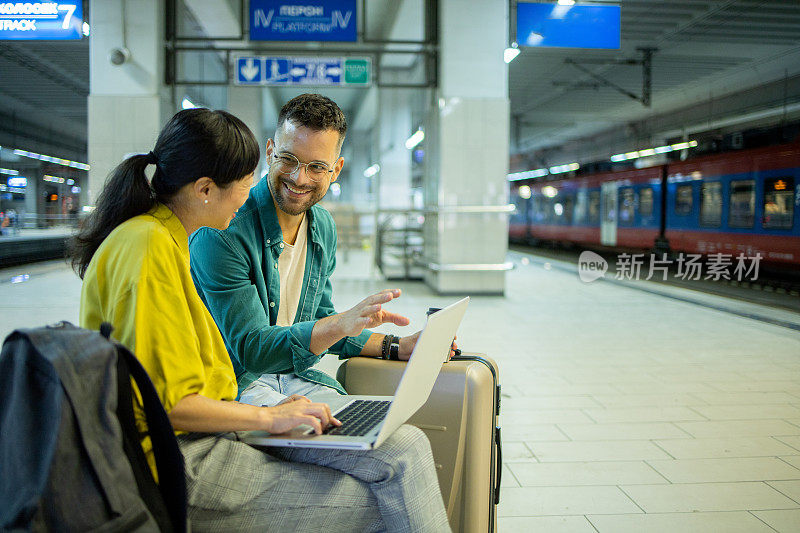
(286, 163)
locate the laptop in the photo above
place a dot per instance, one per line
(367, 421)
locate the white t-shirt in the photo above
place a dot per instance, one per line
(291, 268)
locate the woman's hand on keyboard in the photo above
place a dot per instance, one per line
(298, 411)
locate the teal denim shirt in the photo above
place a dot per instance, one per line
(235, 272)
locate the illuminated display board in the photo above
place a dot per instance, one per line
(564, 26)
(286, 20)
(41, 20)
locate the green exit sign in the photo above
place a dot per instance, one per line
(357, 71)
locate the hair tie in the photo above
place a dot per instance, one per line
(151, 158)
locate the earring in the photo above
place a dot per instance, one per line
(205, 202)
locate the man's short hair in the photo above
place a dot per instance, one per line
(315, 112)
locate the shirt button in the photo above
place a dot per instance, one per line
(276, 265)
(272, 304)
(281, 245)
(268, 241)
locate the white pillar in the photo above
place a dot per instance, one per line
(467, 136)
(394, 180)
(245, 103)
(125, 101)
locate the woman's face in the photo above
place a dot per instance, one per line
(223, 203)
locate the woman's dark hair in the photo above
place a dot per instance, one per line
(194, 143)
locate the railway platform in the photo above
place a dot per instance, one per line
(623, 409)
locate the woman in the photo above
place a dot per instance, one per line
(133, 257)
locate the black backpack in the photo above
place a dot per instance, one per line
(70, 453)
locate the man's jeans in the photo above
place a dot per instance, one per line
(271, 389)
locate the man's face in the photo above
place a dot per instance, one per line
(296, 193)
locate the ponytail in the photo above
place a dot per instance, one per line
(194, 143)
(125, 195)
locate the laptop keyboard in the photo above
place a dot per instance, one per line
(360, 417)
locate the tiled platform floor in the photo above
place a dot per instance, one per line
(622, 410)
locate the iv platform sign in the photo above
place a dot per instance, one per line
(306, 71)
(310, 20)
(575, 26)
(41, 20)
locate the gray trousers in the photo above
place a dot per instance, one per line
(235, 487)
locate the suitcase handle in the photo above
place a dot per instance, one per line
(499, 468)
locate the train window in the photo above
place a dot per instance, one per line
(580, 207)
(594, 207)
(778, 203)
(711, 204)
(683, 200)
(743, 204)
(609, 206)
(539, 206)
(568, 210)
(626, 206)
(646, 202)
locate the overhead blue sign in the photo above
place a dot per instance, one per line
(575, 26)
(320, 71)
(41, 20)
(311, 20)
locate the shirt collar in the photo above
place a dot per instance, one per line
(169, 220)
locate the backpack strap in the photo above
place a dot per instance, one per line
(170, 509)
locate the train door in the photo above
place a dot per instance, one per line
(608, 220)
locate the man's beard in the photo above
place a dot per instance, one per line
(289, 205)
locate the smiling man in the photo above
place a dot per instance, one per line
(266, 279)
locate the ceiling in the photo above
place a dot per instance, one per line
(706, 50)
(43, 87)
(708, 53)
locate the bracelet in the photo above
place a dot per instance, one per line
(394, 349)
(385, 346)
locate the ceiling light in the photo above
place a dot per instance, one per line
(528, 174)
(524, 192)
(616, 158)
(684, 145)
(415, 139)
(564, 168)
(9, 171)
(371, 171)
(550, 191)
(50, 159)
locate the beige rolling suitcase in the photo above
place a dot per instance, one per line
(461, 421)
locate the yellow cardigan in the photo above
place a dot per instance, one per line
(139, 281)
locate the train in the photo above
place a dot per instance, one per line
(743, 202)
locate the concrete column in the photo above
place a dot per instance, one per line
(357, 189)
(32, 191)
(245, 103)
(394, 123)
(126, 110)
(467, 136)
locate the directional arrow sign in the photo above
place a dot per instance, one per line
(306, 71)
(249, 71)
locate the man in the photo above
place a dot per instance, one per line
(266, 279)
